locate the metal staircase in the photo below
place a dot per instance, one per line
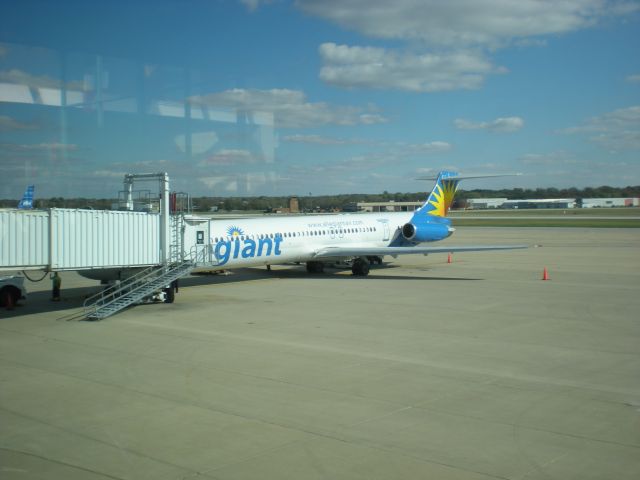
(154, 279)
(134, 289)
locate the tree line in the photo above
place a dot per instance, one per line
(343, 201)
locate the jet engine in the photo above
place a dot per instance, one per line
(422, 229)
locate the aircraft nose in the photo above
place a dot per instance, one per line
(450, 230)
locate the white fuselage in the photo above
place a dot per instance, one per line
(271, 240)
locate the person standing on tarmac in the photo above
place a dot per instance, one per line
(56, 282)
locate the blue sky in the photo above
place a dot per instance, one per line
(317, 96)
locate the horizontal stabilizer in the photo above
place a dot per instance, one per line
(471, 177)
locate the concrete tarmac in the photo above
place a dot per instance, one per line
(476, 369)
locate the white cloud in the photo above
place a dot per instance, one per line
(220, 184)
(201, 142)
(318, 140)
(370, 67)
(20, 77)
(229, 157)
(499, 125)
(290, 108)
(108, 174)
(464, 23)
(448, 41)
(633, 78)
(39, 147)
(372, 118)
(390, 153)
(616, 130)
(548, 159)
(252, 5)
(428, 147)
(425, 171)
(394, 156)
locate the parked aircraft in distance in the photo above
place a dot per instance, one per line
(319, 239)
(27, 199)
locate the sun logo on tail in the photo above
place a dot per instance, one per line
(441, 197)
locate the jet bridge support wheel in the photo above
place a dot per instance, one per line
(170, 293)
(360, 267)
(9, 297)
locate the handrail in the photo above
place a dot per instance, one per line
(203, 254)
(131, 283)
(198, 255)
(130, 291)
(111, 290)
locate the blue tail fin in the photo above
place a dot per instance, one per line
(27, 199)
(441, 197)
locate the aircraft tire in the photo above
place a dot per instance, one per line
(360, 267)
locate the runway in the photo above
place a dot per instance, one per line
(476, 369)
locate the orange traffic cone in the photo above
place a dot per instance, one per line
(545, 274)
(449, 259)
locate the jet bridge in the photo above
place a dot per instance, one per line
(75, 239)
(67, 239)
(108, 245)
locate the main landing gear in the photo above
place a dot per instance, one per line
(360, 267)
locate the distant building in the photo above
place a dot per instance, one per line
(610, 202)
(484, 203)
(388, 206)
(294, 206)
(541, 203)
(502, 203)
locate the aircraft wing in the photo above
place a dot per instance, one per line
(394, 251)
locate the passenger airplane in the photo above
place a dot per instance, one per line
(27, 199)
(319, 239)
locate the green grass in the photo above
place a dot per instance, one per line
(588, 217)
(546, 212)
(542, 222)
